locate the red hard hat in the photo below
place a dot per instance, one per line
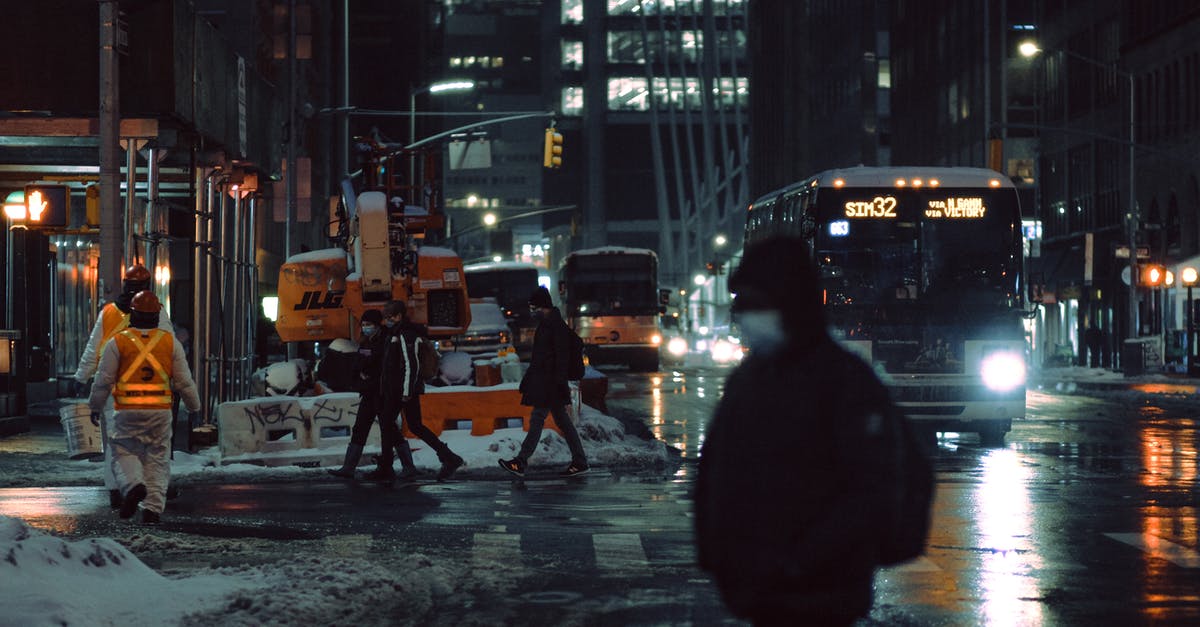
(146, 302)
(137, 272)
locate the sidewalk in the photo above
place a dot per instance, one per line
(1084, 378)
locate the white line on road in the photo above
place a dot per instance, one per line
(349, 544)
(1158, 547)
(620, 552)
(919, 565)
(497, 548)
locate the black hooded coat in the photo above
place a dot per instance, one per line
(791, 489)
(545, 382)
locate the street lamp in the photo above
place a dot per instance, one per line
(1189, 277)
(1029, 49)
(435, 88)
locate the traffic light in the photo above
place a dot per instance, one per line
(552, 153)
(47, 206)
(1152, 275)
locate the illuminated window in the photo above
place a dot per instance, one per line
(885, 74)
(624, 7)
(627, 93)
(572, 55)
(455, 61)
(497, 61)
(469, 61)
(572, 100)
(626, 47)
(485, 62)
(572, 11)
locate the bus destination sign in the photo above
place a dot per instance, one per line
(957, 208)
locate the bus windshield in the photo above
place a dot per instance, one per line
(611, 284)
(918, 246)
(510, 287)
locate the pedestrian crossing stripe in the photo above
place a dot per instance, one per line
(620, 552)
(501, 548)
(1160, 547)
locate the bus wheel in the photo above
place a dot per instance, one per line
(992, 437)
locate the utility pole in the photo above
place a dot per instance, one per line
(112, 227)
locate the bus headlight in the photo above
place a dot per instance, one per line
(677, 346)
(1003, 371)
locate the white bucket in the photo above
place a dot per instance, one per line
(83, 435)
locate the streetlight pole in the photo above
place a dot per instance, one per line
(456, 85)
(1029, 49)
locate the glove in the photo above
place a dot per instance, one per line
(195, 417)
(79, 389)
(96, 418)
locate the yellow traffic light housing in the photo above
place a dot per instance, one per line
(553, 149)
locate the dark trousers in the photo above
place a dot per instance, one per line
(537, 421)
(368, 410)
(411, 410)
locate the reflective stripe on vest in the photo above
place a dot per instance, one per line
(112, 322)
(145, 367)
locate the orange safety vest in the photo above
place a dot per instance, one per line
(112, 321)
(145, 369)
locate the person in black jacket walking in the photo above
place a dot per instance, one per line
(544, 387)
(793, 480)
(403, 387)
(373, 342)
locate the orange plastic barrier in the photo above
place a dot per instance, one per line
(485, 408)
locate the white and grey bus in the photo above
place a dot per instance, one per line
(921, 273)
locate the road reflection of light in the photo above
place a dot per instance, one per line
(1008, 575)
(46, 509)
(1169, 459)
(1164, 388)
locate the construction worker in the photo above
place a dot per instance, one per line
(113, 317)
(140, 367)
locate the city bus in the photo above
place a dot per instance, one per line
(921, 274)
(510, 283)
(610, 298)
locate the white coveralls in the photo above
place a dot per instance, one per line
(108, 323)
(144, 371)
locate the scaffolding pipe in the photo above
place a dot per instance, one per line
(131, 253)
(203, 187)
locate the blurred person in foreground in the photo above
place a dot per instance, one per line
(792, 481)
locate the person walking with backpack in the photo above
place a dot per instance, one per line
(800, 477)
(372, 344)
(402, 389)
(544, 386)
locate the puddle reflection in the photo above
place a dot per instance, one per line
(1008, 579)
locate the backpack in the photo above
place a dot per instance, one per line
(428, 359)
(575, 368)
(905, 534)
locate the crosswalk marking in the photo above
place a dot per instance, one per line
(348, 544)
(919, 565)
(619, 552)
(502, 548)
(1158, 547)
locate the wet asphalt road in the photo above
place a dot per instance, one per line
(1087, 516)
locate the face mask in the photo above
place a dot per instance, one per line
(369, 329)
(762, 330)
(388, 322)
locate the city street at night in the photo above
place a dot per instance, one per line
(1086, 516)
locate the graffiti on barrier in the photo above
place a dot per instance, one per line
(271, 415)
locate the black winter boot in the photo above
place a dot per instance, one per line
(353, 454)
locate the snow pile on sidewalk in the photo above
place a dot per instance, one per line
(45, 580)
(603, 436)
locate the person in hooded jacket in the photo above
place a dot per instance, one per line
(372, 344)
(402, 390)
(544, 387)
(140, 367)
(791, 484)
(113, 317)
